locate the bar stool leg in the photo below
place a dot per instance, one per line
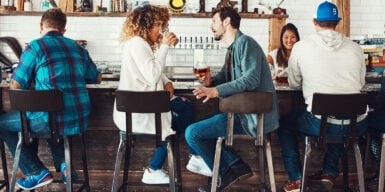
(16, 162)
(119, 156)
(127, 155)
(305, 162)
(360, 171)
(270, 166)
(170, 159)
(86, 183)
(67, 155)
(217, 159)
(382, 166)
(5, 169)
(261, 161)
(345, 168)
(177, 163)
(367, 149)
(259, 143)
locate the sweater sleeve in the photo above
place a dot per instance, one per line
(150, 65)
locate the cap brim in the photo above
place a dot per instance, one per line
(327, 19)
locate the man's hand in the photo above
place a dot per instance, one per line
(14, 84)
(100, 77)
(209, 93)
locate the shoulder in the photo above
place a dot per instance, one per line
(353, 44)
(136, 42)
(273, 52)
(35, 43)
(247, 42)
(245, 38)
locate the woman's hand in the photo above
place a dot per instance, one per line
(170, 88)
(169, 38)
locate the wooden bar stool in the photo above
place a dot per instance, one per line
(30, 100)
(247, 102)
(156, 102)
(346, 106)
(4, 183)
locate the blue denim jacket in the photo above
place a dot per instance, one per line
(249, 72)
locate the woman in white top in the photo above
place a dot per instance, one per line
(278, 57)
(143, 60)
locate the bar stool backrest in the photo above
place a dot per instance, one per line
(143, 102)
(340, 106)
(247, 102)
(37, 100)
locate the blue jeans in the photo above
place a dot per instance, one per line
(377, 127)
(377, 121)
(29, 163)
(202, 136)
(306, 123)
(182, 116)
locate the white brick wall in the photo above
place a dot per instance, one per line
(102, 33)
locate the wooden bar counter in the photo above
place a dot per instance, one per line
(102, 140)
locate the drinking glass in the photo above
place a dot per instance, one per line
(200, 69)
(281, 78)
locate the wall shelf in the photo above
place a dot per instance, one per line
(276, 21)
(120, 14)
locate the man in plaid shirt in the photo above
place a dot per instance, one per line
(50, 62)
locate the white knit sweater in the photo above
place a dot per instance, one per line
(142, 70)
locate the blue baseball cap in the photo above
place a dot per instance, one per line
(327, 11)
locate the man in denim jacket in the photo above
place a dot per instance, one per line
(245, 70)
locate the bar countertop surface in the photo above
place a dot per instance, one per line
(186, 86)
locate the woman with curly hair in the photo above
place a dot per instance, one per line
(146, 41)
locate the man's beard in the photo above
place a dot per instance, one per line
(217, 38)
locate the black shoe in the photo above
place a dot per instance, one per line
(235, 173)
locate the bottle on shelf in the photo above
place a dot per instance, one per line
(27, 5)
(86, 5)
(45, 5)
(369, 67)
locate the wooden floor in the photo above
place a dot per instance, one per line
(101, 165)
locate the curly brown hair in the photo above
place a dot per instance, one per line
(141, 20)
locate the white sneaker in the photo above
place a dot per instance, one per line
(198, 165)
(155, 177)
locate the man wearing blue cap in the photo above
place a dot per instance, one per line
(326, 62)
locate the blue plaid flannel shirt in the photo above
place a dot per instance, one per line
(56, 62)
